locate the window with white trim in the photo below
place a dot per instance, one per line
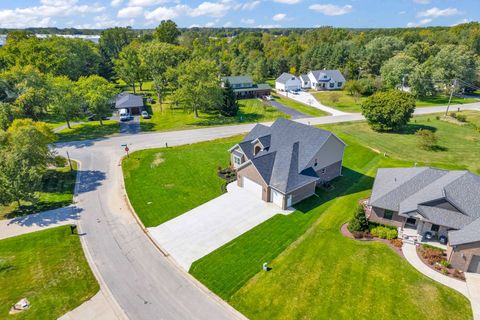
(237, 160)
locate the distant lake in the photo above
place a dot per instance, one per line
(93, 38)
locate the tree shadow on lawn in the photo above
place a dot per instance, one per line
(350, 182)
(88, 132)
(217, 119)
(412, 128)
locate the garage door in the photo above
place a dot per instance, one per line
(252, 187)
(277, 197)
(474, 264)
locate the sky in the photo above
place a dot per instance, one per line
(101, 14)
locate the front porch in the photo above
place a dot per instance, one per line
(411, 235)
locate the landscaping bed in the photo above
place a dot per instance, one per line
(436, 259)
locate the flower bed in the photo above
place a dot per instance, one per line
(395, 244)
(436, 259)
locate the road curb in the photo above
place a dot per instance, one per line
(117, 309)
(172, 261)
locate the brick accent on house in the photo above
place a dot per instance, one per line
(377, 215)
(460, 256)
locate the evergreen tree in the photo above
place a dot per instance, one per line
(359, 221)
(230, 106)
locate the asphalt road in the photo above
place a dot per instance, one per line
(144, 283)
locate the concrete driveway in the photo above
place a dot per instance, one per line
(308, 99)
(200, 231)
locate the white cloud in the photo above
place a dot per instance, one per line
(250, 5)
(145, 3)
(227, 24)
(436, 12)
(288, 1)
(331, 9)
(422, 1)
(40, 16)
(130, 12)
(164, 13)
(212, 9)
(247, 21)
(209, 24)
(279, 17)
(420, 23)
(115, 3)
(402, 12)
(464, 20)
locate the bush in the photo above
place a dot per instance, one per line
(427, 139)
(445, 263)
(397, 242)
(384, 232)
(388, 111)
(359, 222)
(461, 117)
(431, 254)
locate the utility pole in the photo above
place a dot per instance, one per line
(69, 162)
(451, 95)
(359, 72)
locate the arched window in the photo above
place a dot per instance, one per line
(256, 150)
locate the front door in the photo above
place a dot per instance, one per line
(474, 264)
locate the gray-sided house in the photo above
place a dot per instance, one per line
(326, 79)
(245, 88)
(132, 102)
(432, 202)
(288, 82)
(285, 162)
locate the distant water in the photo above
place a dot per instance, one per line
(93, 38)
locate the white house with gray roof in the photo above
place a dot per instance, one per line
(288, 82)
(285, 162)
(433, 202)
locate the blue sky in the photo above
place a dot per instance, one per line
(236, 13)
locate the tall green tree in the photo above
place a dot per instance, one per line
(24, 156)
(158, 57)
(98, 94)
(388, 111)
(199, 86)
(421, 81)
(167, 32)
(379, 50)
(129, 67)
(111, 43)
(396, 71)
(230, 106)
(65, 100)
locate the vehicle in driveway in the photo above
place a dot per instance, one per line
(124, 115)
(145, 115)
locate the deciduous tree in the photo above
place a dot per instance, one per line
(98, 94)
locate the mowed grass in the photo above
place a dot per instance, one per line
(164, 183)
(316, 272)
(49, 269)
(89, 131)
(169, 118)
(56, 191)
(341, 100)
(308, 110)
(457, 144)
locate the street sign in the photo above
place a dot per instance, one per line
(126, 149)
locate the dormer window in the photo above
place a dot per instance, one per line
(256, 150)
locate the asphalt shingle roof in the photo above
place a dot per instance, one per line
(238, 79)
(336, 75)
(415, 189)
(128, 100)
(291, 145)
(284, 77)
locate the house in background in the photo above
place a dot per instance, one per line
(326, 79)
(427, 202)
(132, 102)
(285, 162)
(245, 88)
(305, 81)
(288, 82)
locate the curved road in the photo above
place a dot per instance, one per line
(142, 282)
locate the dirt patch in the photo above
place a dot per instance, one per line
(344, 230)
(157, 160)
(168, 186)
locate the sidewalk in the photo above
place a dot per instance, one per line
(95, 308)
(38, 221)
(473, 285)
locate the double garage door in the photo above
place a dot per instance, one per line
(474, 264)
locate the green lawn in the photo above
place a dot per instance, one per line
(49, 269)
(308, 110)
(56, 191)
(164, 183)
(348, 103)
(455, 142)
(89, 130)
(251, 110)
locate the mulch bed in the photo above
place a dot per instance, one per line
(451, 271)
(348, 234)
